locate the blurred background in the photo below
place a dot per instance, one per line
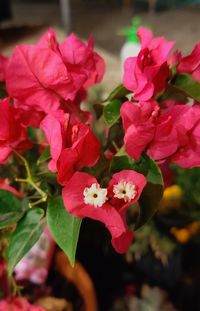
(25, 20)
(161, 272)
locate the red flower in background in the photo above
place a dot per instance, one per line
(12, 135)
(83, 197)
(174, 130)
(83, 63)
(42, 76)
(18, 304)
(38, 78)
(72, 144)
(190, 63)
(147, 73)
(3, 64)
(188, 155)
(169, 134)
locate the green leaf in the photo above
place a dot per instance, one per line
(152, 194)
(64, 227)
(186, 84)
(32, 133)
(100, 169)
(45, 156)
(119, 163)
(124, 162)
(149, 203)
(27, 232)
(116, 135)
(11, 209)
(111, 112)
(154, 174)
(145, 165)
(118, 93)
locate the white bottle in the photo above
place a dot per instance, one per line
(131, 47)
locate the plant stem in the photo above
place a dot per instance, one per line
(38, 189)
(115, 146)
(25, 164)
(41, 200)
(121, 151)
(15, 289)
(29, 180)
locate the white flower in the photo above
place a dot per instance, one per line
(95, 195)
(125, 190)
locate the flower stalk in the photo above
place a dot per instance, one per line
(29, 180)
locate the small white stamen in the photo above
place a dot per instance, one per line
(125, 190)
(95, 195)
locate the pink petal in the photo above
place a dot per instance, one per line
(189, 63)
(146, 93)
(123, 242)
(87, 147)
(4, 184)
(5, 152)
(145, 36)
(68, 164)
(48, 40)
(128, 78)
(52, 127)
(137, 138)
(130, 113)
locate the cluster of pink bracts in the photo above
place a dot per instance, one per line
(46, 83)
(168, 131)
(41, 79)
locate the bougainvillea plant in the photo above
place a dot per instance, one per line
(56, 169)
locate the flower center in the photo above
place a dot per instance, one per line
(125, 190)
(95, 195)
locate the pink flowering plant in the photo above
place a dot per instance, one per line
(55, 167)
